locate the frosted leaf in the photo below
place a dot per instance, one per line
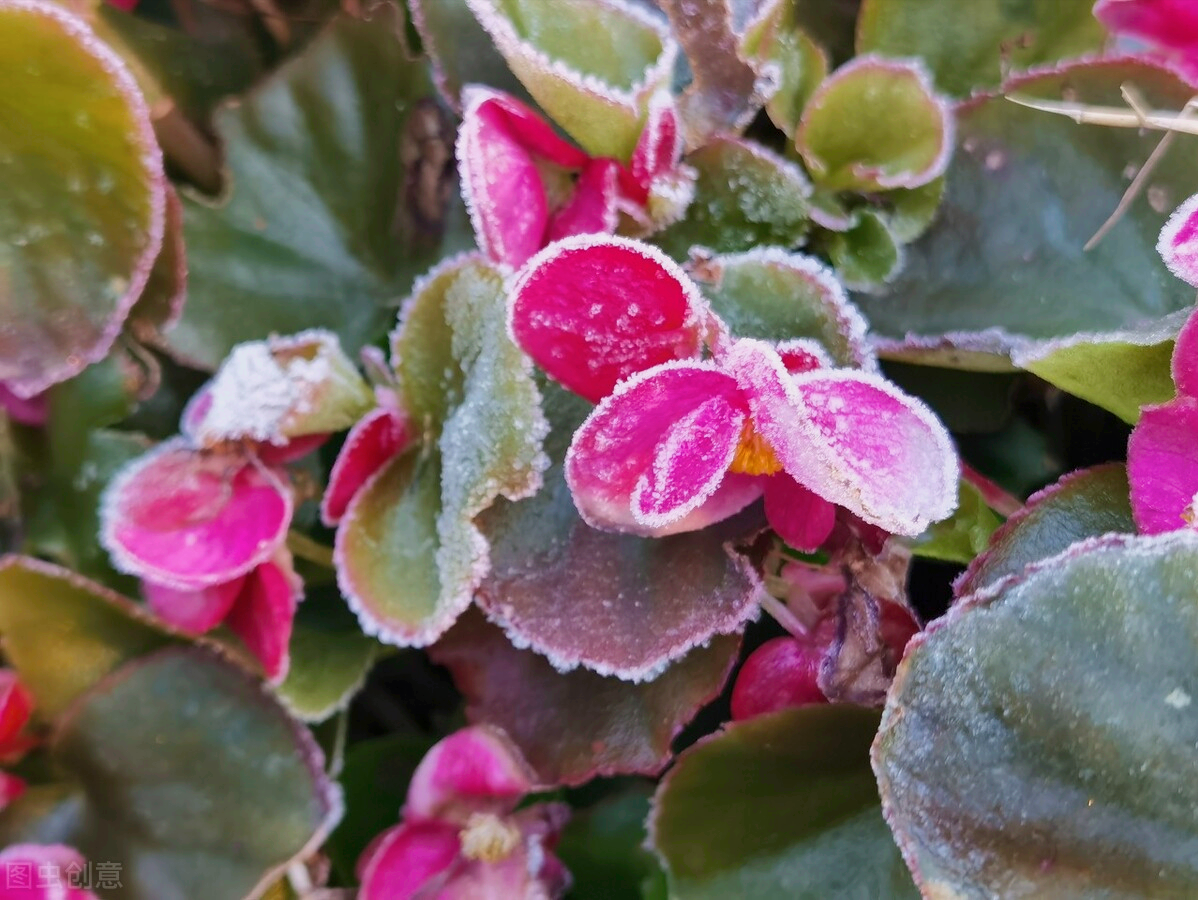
(274, 390)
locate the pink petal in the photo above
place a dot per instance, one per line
(591, 311)
(803, 355)
(779, 674)
(376, 438)
(42, 872)
(508, 878)
(194, 412)
(193, 610)
(801, 518)
(11, 787)
(1178, 244)
(16, 705)
(24, 411)
(296, 448)
(593, 209)
(852, 438)
(264, 613)
(187, 519)
(1162, 465)
(651, 453)
(498, 144)
(1185, 358)
(657, 150)
(476, 769)
(1169, 23)
(403, 859)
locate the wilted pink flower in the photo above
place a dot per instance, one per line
(1162, 454)
(43, 872)
(679, 441)
(461, 836)
(526, 187)
(1169, 27)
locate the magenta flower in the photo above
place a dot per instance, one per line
(25, 411)
(43, 872)
(679, 441)
(526, 187)
(461, 836)
(16, 706)
(376, 438)
(1169, 27)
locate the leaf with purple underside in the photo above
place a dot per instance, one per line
(187, 771)
(1002, 272)
(409, 556)
(783, 805)
(592, 65)
(1039, 741)
(614, 603)
(1086, 503)
(575, 726)
(83, 208)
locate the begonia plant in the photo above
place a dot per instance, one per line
(535, 449)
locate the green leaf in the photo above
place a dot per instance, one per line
(603, 847)
(875, 124)
(330, 657)
(974, 51)
(1002, 272)
(1083, 504)
(779, 296)
(962, 536)
(910, 211)
(190, 776)
(866, 255)
(322, 225)
(592, 65)
(779, 806)
(460, 49)
(776, 38)
(745, 196)
(409, 554)
(83, 206)
(1041, 742)
(63, 633)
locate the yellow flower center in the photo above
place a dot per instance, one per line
(488, 838)
(753, 455)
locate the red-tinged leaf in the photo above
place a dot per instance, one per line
(592, 65)
(194, 610)
(575, 726)
(591, 311)
(1083, 504)
(1178, 244)
(777, 296)
(779, 674)
(475, 769)
(83, 208)
(375, 439)
(264, 613)
(185, 519)
(876, 124)
(43, 872)
(1162, 465)
(161, 302)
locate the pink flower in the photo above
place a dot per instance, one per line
(1170, 27)
(24, 411)
(16, 706)
(376, 438)
(525, 186)
(461, 836)
(679, 441)
(43, 872)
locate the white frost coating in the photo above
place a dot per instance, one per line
(697, 311)
(1178, 699)
(850, 323)
(1185, 268)
(468, 148)
(1026, 351)
(150, 158)
(909, 65)
(251, 397)
(447, 266)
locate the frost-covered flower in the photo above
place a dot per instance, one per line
(679, 441)
(526, 187)
(374, 440)
(461, 835)
(202, 519)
